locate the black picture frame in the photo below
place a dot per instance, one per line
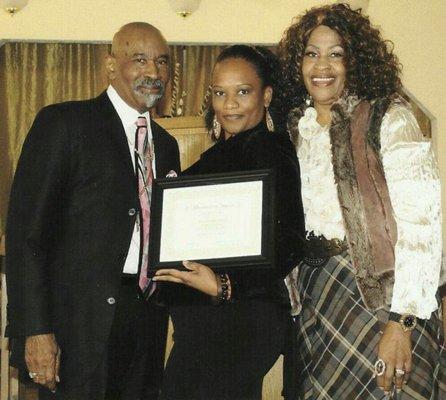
(222, 264)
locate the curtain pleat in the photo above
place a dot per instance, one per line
(190, 79)
(199, 61)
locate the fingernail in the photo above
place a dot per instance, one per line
(57, 379)
(154, 278)
(398, 390)
(386, 392)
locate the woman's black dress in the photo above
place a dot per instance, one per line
(224, 351)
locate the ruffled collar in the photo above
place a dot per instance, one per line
(302, 120)
(308, 125)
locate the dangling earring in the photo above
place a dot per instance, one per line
(216, 128)
(308, 100)
(269, 120)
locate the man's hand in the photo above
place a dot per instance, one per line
(395, 349)
(199, 277)
(42, 357)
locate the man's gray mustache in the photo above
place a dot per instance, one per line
(150, 84)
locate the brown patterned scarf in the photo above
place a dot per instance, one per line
(364, 197)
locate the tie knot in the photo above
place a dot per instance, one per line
(141, 122)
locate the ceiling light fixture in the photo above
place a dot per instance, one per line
(13, 6)
(184, 8)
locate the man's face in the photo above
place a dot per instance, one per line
(139, 67)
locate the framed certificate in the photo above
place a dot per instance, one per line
(225, 221)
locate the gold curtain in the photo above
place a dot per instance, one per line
(190, 80)
(199, 61)
(33, 75)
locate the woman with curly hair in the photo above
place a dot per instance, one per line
(365, 293)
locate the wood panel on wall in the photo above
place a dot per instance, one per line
(191, 135)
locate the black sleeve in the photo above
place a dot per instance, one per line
(277, 153)
(35, 207)
(176, 156)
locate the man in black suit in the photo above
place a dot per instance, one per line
(77, 319)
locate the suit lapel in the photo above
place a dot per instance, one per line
(112, 127)
(159, 158)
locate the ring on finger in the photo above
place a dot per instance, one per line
(380, 367)
(32, 375)
(399, 372)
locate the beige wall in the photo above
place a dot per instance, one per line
(215, 21)
(417, 27)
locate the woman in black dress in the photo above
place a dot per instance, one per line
(224, 350)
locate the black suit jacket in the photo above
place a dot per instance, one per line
(72, 210)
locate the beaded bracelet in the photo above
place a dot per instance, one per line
(223, 288)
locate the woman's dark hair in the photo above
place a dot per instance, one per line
(372, 70)
(267, 66)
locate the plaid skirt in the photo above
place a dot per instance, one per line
(338, 338)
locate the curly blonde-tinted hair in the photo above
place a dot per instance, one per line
(372, 70)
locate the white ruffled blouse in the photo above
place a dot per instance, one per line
(413, 181)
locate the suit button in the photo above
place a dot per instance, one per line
(111, 300)
(132, 212)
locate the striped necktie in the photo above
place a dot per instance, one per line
(143, 163)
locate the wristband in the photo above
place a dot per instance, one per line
(408, 322)
(223, 289)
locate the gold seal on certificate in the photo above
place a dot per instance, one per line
(225, 221)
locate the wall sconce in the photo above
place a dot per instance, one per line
(184, 8)
(13, 6)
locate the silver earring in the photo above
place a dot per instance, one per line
(308, 100)
(269, 120)
(216, 128)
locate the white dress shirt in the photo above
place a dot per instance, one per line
(129, 116)
(413, 181)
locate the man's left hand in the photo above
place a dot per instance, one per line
(395, 349)
(42, 357)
